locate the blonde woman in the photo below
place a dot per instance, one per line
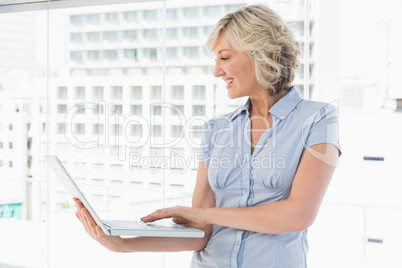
(265, 167)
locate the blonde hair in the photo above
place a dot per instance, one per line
(262, 34)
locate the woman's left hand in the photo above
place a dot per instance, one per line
(189, 216)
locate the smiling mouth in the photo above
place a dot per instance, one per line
(229, 81)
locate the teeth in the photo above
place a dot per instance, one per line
(229, 81)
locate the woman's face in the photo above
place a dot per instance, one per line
(236, 69)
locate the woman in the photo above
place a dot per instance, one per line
(265, 167)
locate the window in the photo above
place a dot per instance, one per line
(131, 16)
(136, 92)
(198, 110)
(93, 19)
(94, 37)
(156, 92)
(172, 34)
(62, 93)
(177, 92)
(131, 35)
(97, 92)
(10, 145)
(190, 52)
(190, 32)
(112, 18)
(136, 109)
(117, 92)
(199, 92)
(121, 45)
(80, 93)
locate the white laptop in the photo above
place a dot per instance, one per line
(118, 227)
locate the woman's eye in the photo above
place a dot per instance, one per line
(224, 58)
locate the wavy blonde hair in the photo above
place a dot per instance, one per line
(271, 46)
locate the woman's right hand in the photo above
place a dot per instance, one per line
(113, 243)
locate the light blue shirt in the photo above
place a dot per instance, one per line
(241, 179)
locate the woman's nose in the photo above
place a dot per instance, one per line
(218, 71)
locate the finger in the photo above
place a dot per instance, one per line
(162, 214)
(99, 233)
(78, 203)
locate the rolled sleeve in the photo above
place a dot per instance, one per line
(322, 127)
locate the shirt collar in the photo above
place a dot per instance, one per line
(286, 104)
(281, 109)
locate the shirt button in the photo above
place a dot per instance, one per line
(238, 243)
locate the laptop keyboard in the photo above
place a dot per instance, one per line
(121, 224)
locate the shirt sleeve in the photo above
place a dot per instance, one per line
(322, 127)
(206, 143)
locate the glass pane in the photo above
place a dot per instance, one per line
(107, 73)
(22, 193)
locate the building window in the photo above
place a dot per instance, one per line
(97, 129)
(171, 53)
(136, 92)
(190, 32)
(176, 131)
(190, 52)
(60, 128)
(94, 37)
(213, 12)
(177, 110)
(94, 55)
(111, 37)
(136, 109)
(131, 35)
(177, 92)
(10, 127)
(10, 145)
(80, 93)
(79, 129)
(62, 108)
(135, 130)
(172, 14)
(97, 92)
(1, 163)
(150, 54)
(1, 145)
(76, 20)
(156, 92)
(110, 55)
(76, 38)
(10, 164)
(156, 110)
(198, 110)
(93, 19)
(199, 92)
(191, 13)
(156, 131)
(112, 18)
(151, 15)
(172, 34)
(151, 34)
(130, 54)
(76, 56)
(117, 92)
(131, 16)
(62, 93)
